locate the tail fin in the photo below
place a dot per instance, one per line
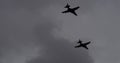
(67, 6)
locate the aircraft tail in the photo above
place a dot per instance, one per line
(67, 6)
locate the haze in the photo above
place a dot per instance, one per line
(35, 31)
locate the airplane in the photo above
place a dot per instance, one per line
(70, 10)
(82, 44)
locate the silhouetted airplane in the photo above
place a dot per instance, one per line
(82, 44)
(72, 10)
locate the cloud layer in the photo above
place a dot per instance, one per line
(26, 35)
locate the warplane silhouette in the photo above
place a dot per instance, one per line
(72, 10)
(82, 44)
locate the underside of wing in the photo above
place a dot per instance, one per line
(64, 11)
(77, 46)
(87, 43)
(74, 13)
(85, 47)
(76, 8)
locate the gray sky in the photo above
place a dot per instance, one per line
(35, 31)
(29, 35)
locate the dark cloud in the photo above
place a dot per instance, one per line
(27, 36)
(58, 50)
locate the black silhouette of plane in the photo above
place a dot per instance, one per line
(70, 10)
(82, 44)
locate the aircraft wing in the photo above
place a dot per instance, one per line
(87, 43)
(85, 47)
(77, 46)
(64, 11)
(74, 13)
(76, 8)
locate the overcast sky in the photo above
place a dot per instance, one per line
(35, 31)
